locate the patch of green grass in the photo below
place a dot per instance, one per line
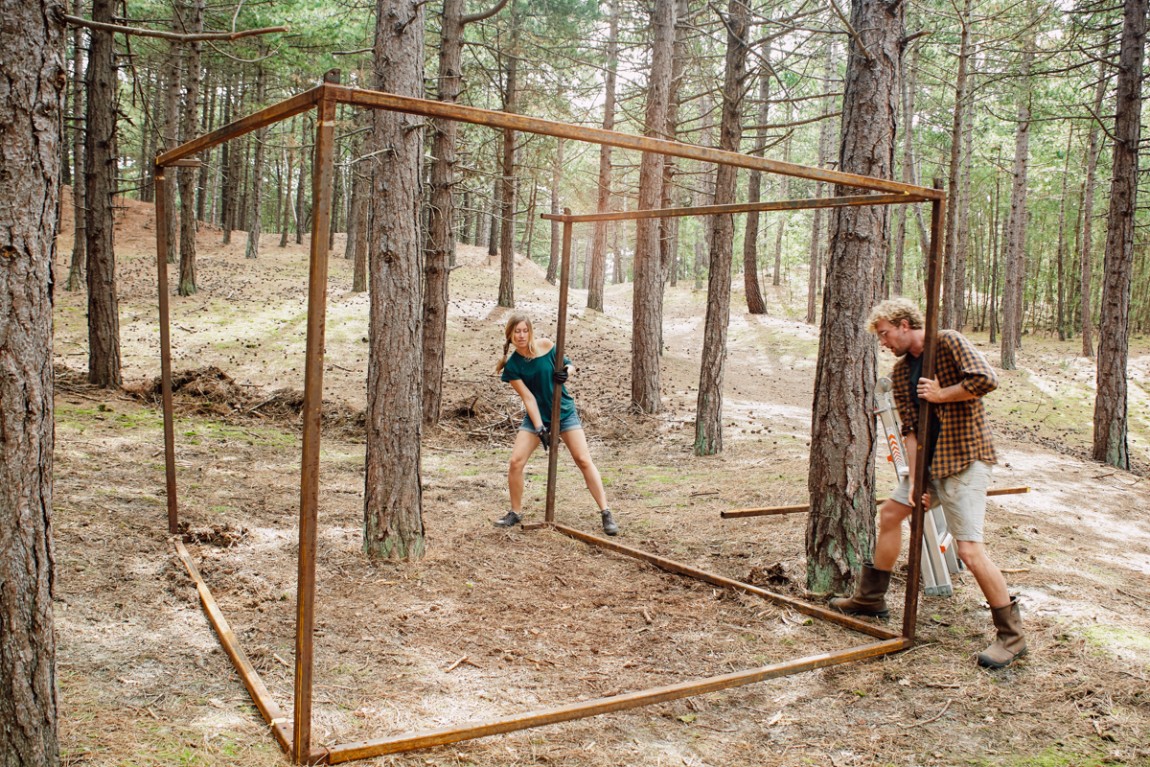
(1117, 637)
(1053, 756)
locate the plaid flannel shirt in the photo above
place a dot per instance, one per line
(964, 434)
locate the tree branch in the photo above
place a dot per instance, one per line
(484, 14)
(140, 32)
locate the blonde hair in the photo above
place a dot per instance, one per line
(894, 311)
(508, 329)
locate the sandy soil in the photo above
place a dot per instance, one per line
(493, 623)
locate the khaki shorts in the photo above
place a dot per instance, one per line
(963, 500)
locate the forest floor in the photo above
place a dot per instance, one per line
(492, 623)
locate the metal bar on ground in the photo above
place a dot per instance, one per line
(925, 443)
(162, 214)
(322, 175)
(271, 712)
(745, 207)
(264, 117)
(410, 742)
(490, 118)
(557, 389)
(679, 568)
(767, 511)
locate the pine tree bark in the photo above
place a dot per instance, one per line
(79, 204)
(647, 304)
(507, 170)
(709, 405)
(30, 117)
(1086, 256)
(189, 128)
(598, 277)
(393, 517)
(1015, 241)
(952, 287)
(100, 154)
(1110, 404)
(256, 192)
(754, 294)
(553, 255)
(840, 526)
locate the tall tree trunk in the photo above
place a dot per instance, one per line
(363, 207)
(440, 246)
(100, 154)
(1086, 256)
(1060, 318)
(709, 406)
(1110, 406)
(784, 193)
(815, 269)
(898, 269)
(647, 305)
(302, 217)
(754, 294)
(288, 208)
(840, 526)
(32, 41)
(79, 206)
(393, 516)
(507, 185)
(255, 193)
(556, 228)
(229, 169)
(189, 128)
(951, 286)
(668, 227)
(599, 242)
(1015, 241)
(172, 70)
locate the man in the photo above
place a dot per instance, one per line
(959, 468)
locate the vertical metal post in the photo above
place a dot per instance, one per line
(925, 441)
(560, 343)
(165, 349)
(322, 174)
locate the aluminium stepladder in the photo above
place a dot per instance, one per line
(939, 560)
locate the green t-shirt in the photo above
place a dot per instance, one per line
(536, 375)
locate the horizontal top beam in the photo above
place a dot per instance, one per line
(491, 118)
(742, 207)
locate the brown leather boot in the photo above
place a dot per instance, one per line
(868, 598)
(1010, 643)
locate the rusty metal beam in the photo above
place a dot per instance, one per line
(410, 742)
(264, 117)
(743, 207)
(322, 175)
(271, 712)
(766, 511)
(679, 568)
(557, 390)
(380, 100)
(925, 443)
(166, 352)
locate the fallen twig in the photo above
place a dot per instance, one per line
(934, 718)
(455, 665)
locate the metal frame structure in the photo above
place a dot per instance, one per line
(294, 733)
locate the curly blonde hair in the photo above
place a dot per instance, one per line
(894, 311)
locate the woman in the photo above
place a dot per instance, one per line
(532, 372)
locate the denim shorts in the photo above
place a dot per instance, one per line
(962, 497)
(567, 424)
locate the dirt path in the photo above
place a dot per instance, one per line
(493, 623)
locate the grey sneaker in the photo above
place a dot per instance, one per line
(609, 525)
(510, 519)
